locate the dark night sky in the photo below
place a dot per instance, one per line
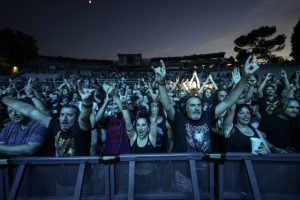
(102, 29)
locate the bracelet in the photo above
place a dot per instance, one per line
(87, 106)
(163, 82)
(124, 107)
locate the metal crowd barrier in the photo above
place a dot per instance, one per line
(152, 176)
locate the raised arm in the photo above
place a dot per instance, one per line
(27, 110)
(153, 127)
(250, 91)
(174, 85)
(101, 111)
(249, 69)
(122, 103)
(170, 137)
(86, 106)
(35, 98)
(228, 121)
(160, 73)
(201, 89)
(288, 91)
(263, 85)
(213, 82)
(297, 79)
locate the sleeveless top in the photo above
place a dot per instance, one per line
(148, 148)
(238, 142)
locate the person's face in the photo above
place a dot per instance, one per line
(270, 91)
(181, 94)
(221, 95)
(67, 118)
(15, 116)
(142, 127)
(75, 96)
(54, 98)
(194, 108)
(292, 109)
(65, 92)
(243, 116)
(45, 94)
(208, 93)
(154, 107)
(145, 99)
(116, 107)
(129, 94)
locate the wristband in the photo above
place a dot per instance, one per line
(163, 82)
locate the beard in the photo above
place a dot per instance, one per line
(194, 115)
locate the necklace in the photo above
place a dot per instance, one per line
(141, 142)
(246, 131)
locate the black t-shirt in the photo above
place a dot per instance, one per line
(162, 137)
(282, 133)
(75, 142)
(267, 107)
(55, 111)
(193, 136)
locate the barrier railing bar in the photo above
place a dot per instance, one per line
(107, 181)
(112, 181)
(154, 157)
(6, 181)
(159, 196)
(221, 181)
(79, 181)
(17, 181)
(131, 180)
(252, 179)
(211, 180)
(195, 184)
(272, 196)
(2, 184)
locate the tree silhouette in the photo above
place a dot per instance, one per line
(16, 47)
(258, 42)
(295, 40)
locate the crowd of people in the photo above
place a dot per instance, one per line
(157, 113)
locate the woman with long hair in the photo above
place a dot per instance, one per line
(238, 131)
(142, 133)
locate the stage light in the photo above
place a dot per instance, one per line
(15, 70)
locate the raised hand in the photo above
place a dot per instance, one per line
(109, 89)
(251, 66)
(154, 95)
(252, 81)
(160, 72)
(269, 76)
(29, 90)
(123, 98)
(86, 95)
(236, 76)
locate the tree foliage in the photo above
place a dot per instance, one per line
(16, 47)
(258, 42)
(295, 40)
